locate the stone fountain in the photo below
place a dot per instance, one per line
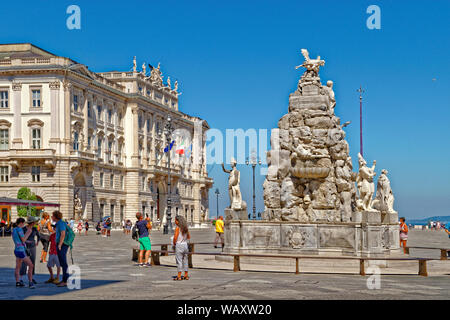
(314, 202)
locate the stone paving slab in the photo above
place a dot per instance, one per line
(107, 272)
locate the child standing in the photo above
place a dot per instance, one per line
(403, 234)
(53, 259)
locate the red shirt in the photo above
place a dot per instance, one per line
(53, 243)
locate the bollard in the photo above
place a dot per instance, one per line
(361, 267)
(135, 255)
(237, 265)
(296, 266)
(164, 248)
(443, 254)
(155, 258)
(423, 268)
(191, 249)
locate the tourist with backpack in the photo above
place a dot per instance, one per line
(63, 230)
(30, 244)
(19, 239)
(141, 233)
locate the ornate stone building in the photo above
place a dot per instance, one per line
(67, 132)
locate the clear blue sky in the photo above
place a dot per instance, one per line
(235, 64)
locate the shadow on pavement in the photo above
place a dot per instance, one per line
(8, 290)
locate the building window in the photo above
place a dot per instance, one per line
(4, 139)
(151, 186)
(111, 212)
(119, 116)
(75, 141)
(102, 210)
(111, 180)
(140, 122)
(122, 211)
(89, 109)
(36, 98)
(4, 99)
(75, 103)
(109, 116)
(99, 147)
(143, 184)
(89, 141)
(101, 179)
(122, 182)
(36, 138)
(143, 209)
(35, 174)
(110, 145)
(4, 174)
(148, 125)
(99, 112)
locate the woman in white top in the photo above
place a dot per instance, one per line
(180, 241)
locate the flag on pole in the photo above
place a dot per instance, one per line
(169, 147)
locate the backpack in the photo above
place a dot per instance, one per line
(68, 239)
(135, 232)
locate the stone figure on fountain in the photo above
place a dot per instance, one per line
(238, 207)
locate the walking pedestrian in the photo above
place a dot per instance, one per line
(61, 248)
(53, 259)
(80, 227)
(86, 227)
(19, 239)
(180, 241)
(128, 226)
(144, 226)
(219, 232)
(45, 230)
(403, 234)
(31, 244)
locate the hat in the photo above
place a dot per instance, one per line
(31, 219)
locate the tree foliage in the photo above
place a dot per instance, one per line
(25, 193)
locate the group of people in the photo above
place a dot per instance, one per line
(180, 242)
(26, 236)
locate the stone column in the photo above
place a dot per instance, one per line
(134, 130)
(85, 120)
(67, 110)
(145, 152)
(54, 107)
(17, 140)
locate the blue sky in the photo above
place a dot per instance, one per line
(235, 63)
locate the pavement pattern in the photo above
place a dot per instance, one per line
(107, 272)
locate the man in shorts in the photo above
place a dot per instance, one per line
(219, 232)
(143, 226)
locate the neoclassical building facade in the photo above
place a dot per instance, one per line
(69, 133)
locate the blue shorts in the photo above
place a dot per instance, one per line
(20, 254)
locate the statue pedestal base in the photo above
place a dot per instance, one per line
(389, 217)
(231, 214)
(372, 217)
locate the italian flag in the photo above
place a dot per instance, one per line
(180, 149)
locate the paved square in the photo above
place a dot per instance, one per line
(108, 273)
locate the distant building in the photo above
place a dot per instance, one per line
(66, 131)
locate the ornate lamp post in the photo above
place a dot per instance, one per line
(168, 129)
(253, 162)
(217, 194)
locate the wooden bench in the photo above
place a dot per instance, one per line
(444, 251)
(422, 262)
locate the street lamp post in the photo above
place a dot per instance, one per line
(168, 129)
(217, 202)
(253, 162)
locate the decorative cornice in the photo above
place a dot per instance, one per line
(35, 122)
(54, 85)
(16, 86)
(5, 123)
